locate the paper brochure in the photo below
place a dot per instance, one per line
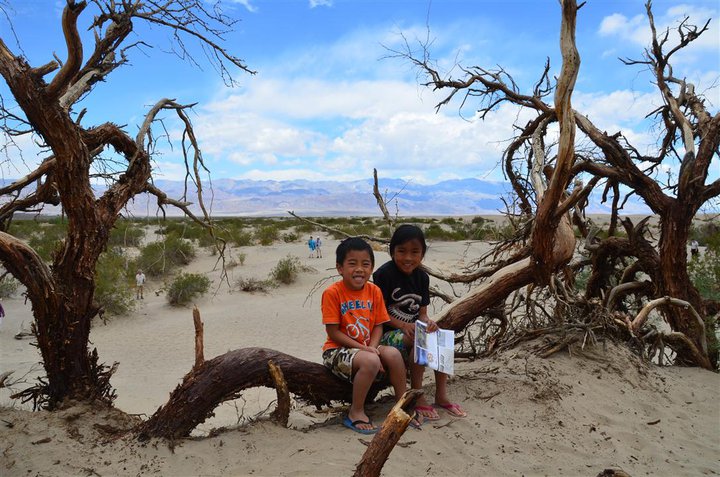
(435, 350)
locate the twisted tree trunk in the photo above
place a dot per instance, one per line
(221, 378)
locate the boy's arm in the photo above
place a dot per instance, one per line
(333, 331)
(407, 328)
(431, 325)
(375, 336)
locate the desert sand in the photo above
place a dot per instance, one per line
(571, 414)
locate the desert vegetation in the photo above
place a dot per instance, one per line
(533, 283)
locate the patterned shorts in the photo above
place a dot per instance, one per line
(394, 338)
(339, 362)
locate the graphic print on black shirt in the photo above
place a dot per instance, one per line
(404, 295)
(404, 307)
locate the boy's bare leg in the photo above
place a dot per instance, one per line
(441, 395)
(394, 365)
(417, 371)
(366, 365)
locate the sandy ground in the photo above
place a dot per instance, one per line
(572, 414)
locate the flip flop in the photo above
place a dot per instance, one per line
(415, 422)
(427, 409)
(353, 425)
(452, 408)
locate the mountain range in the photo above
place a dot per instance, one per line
(355, 198)
(229, 197)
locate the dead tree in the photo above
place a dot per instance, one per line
(220, 379)
(48, 97)
(690, 136)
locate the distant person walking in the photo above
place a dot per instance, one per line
(318, 250)
(694, 248)
(139, 285)
(311, 246)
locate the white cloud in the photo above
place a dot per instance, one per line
(246, 3)
(637, 28)
(333, 111)
(19, 156)
(622, 106)
(321, 3)
(365, 124)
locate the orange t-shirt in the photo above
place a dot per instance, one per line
(356, 311)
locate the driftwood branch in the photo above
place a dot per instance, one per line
(381, 201)
(641, 317)
(199, 353)
(337, 231)
(389, 434)
(623, 289)
(282, 412)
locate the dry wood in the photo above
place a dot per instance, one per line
(623, 289)
(641, 317)
(564, 343)
(221, 379)
(3, 377)
(389, 434)
(613, 473)
(62, 294)
(282, 412)
(381, 201)
(199, 346)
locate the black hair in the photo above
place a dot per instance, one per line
(352, 243)
(405, 233)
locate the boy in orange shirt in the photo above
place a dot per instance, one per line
(353, 311)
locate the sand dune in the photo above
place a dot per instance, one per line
(572, 414)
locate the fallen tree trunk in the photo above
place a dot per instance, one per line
(222, 378)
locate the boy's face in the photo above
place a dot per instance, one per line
(355, 269)
(408, 256)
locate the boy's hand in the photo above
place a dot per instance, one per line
(432, 326)
(375, 350)
(372, 349)
(409, 330)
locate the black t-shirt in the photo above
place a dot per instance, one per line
(404, 295)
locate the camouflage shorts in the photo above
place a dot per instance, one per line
(339, 362)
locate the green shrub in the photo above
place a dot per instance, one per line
(267, 234)
(705, 274)
(255, 285)
(707, 234)
(305, 228)
(162, 257)
(437, 232)
(113, 287)
(290, 237)
(241, 239)
(8, 286)
(48, 239)
(186, 287)
(126, 234)
(24, 229)
(286, 270)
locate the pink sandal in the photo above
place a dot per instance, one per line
(423, 411)
(452, 408)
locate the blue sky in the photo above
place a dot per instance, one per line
(328, 103)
